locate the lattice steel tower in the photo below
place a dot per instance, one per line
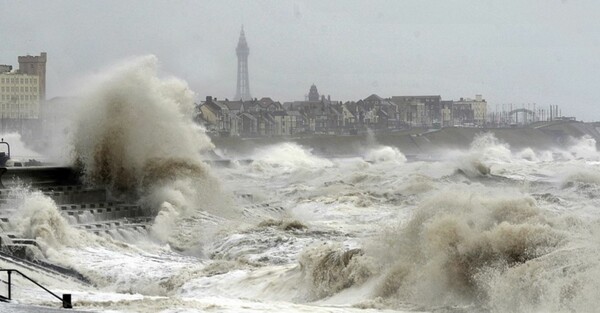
(243, 80)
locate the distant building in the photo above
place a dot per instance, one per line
(420, 110)
(216, 115)
(19, 104)
(35, 65)
(379, 113)
(447, 113)
(19, 96)
(243, 79)
(263, 117)
(469, 111)
(5, 68)
(313, 94)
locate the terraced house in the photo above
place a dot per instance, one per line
(320, 115)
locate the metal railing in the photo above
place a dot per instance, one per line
(65, 299)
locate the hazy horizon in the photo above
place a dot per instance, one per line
(541, 52)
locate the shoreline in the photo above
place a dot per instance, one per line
(556, 134)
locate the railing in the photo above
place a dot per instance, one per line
(66, 298)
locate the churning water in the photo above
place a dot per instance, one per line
(487, 229)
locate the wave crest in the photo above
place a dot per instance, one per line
(131, 121)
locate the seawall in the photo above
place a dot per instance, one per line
(420, 141)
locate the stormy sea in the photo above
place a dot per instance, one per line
(284, 228)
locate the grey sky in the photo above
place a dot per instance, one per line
(511, 51)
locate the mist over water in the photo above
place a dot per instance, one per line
(19, 150)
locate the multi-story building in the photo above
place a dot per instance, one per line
(420, 110)
(470, 111)
(19, 96)
(35, 66)
(21, 93)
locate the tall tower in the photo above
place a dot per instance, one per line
(35, 65)
(243, 81)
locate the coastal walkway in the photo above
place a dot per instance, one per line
(24, 308)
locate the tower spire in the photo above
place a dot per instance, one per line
(243, 80)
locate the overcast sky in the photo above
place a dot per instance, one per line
(510, 51)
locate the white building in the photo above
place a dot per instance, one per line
(19, 96)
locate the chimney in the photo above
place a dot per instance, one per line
(208, 99)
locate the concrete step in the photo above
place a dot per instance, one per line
(63, 194)
(76, 196)
(263, 208)
(94, 212)
(107, 226)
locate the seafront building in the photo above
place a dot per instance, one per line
(318, 114)
(19, 96)
(22, 92)
(470, 112)
(35, 66)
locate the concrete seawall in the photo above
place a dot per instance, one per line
(418, 141)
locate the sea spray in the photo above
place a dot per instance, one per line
(135, 126)
(19, 149)
(584, 147)
(374, 152)
(490, 148)
(442, 254)
(472, 244)
(135, 134)
(328, 269)
(36, 216)
(286, 158)
(485, 150)
(382, 154)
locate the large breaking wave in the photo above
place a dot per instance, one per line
(135, 135)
